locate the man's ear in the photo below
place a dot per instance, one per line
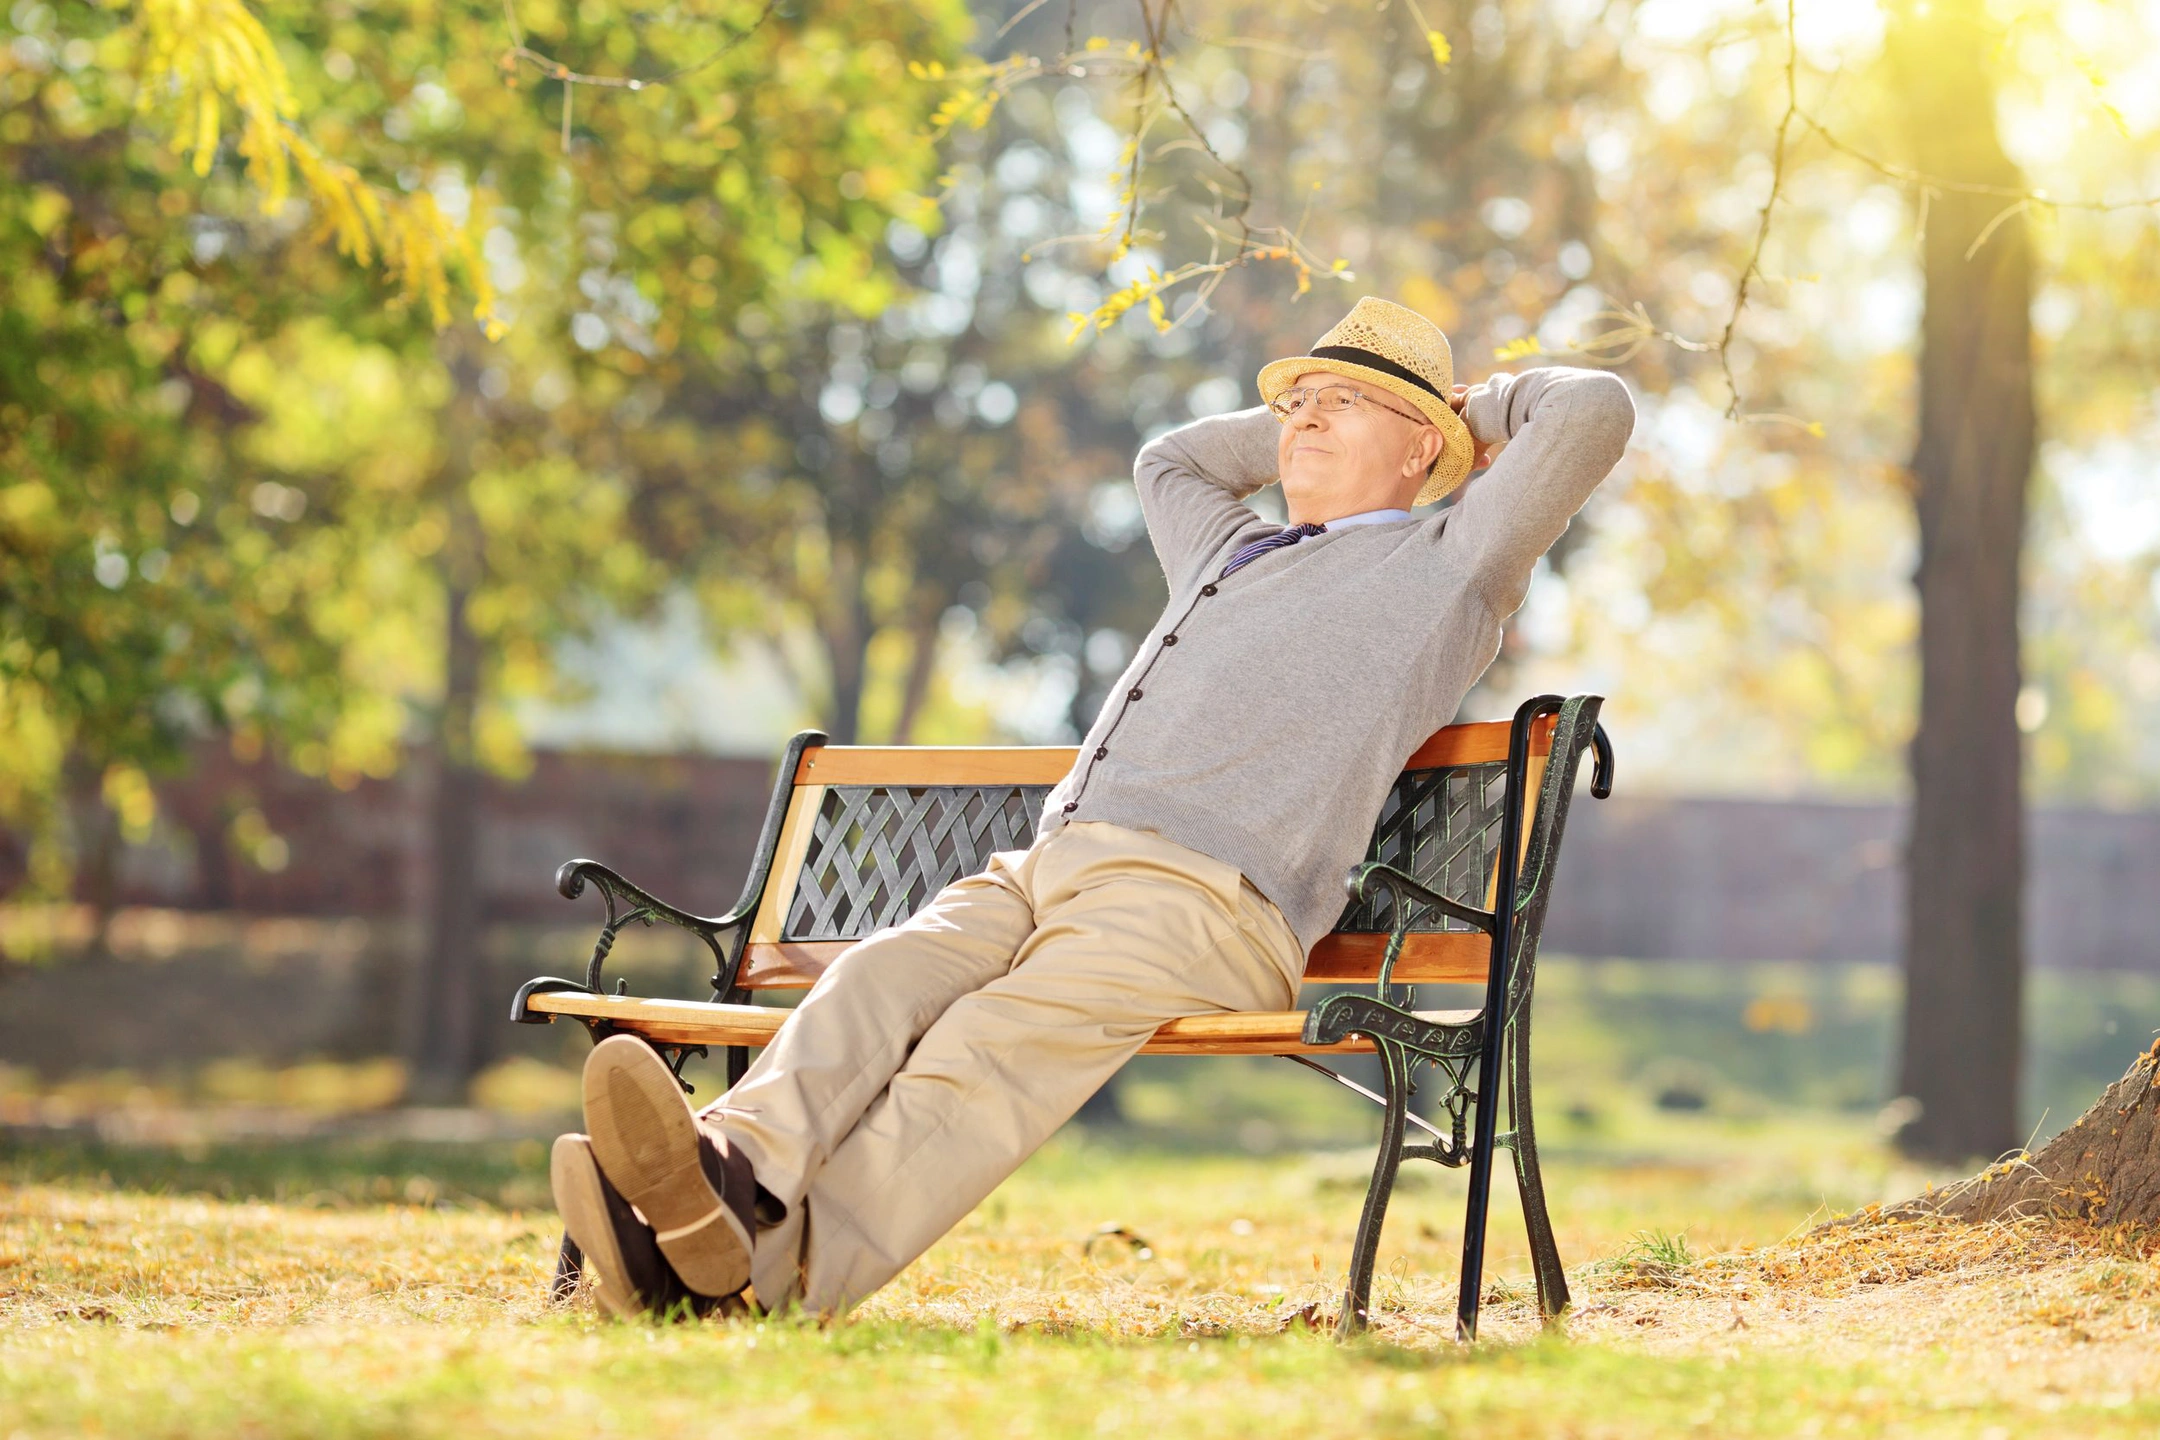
(1424, 450)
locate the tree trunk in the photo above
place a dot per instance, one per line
(847, 642)
(1964, 966)
(448, 1006)
(922, 665)
(98, 847)
(448, 1045)
(2105, 1168)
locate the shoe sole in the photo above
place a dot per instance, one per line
(574, 1176)
(645, 1138)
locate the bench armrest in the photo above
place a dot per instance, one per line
(1404, 891)
(721, 934)
(1371, 875)
(629, 904)
(571, 879)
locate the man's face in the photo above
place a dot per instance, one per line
(1342, 462)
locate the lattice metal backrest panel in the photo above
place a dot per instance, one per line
(1442, 828)
(878, 853)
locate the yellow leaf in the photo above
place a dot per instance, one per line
(129, 796)
(206, 130)
(48, 207)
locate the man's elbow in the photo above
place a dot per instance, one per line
(1163, 452)
(1601, 414)
(1156, 468)
(1603, 398)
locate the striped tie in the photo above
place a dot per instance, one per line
(1288, 535)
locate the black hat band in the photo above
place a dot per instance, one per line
(1371, 361)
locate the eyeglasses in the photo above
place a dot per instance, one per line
(1331, 398)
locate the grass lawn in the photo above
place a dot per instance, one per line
(272, 1290)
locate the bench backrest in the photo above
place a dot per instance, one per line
(872, 832)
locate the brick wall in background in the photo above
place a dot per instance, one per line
(1640, 877)
(1697, 879)
(681, 825)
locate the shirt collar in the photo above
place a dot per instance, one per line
(1368, 517)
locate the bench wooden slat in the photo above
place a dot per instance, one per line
(796, 832)
(934, 764)
(1478, 743)
(1438, 958)
(692, 1022)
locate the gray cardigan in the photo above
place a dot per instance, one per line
(1264, 717)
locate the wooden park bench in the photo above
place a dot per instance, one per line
(857, 837)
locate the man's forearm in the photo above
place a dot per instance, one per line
(1574, 424)
(1191, 482)
(1500, 405)
(1234, 452)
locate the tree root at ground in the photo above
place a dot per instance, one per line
(2104, 1169)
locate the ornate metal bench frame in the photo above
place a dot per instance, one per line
(1433, 884)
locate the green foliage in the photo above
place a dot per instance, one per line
(146, 572)
(246, 491)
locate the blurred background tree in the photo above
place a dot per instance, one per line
(466, 493)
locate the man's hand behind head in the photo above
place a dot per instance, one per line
(1485, 453)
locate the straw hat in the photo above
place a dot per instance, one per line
(1402, 352)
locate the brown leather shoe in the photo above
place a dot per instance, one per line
(696, 1192)
(629, 1273)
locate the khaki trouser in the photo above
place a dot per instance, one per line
(937, 1054)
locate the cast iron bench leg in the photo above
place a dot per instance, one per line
(569, 1268)
(1552, 1289)
(1357, 1299)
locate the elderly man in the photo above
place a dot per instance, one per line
(1187, 863)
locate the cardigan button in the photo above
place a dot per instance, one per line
(1101, 751)
(1169, 639)
(1207, 589)
(1070, 806)
(1133, 694)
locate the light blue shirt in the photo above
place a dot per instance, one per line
(1370, 517)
